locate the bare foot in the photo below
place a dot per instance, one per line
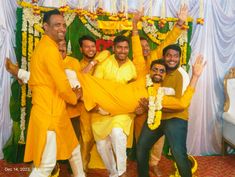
(156, 171)
(11, 68)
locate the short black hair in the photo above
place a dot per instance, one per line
(159, 61)
(86, 37)
(143, 38)
(175, 47)
(121, 39)
(48, 14)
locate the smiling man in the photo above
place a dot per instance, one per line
(174, 124)
(50, 134)
(112, 143)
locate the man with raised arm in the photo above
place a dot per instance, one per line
(149, 56)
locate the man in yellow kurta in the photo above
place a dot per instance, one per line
(72, 67)
(50, 133)
(88, 64)
(116, 68)
(149, 56)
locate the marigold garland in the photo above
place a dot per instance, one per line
(22, 125)
(151, 32)
(32, 17)
(30, 38)
(155, 104)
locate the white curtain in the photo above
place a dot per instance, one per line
(215, 40)
(7, 38)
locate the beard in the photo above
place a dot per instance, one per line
(156, 79)
(172, 68)
(89, 57)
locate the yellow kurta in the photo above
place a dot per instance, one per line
(171, 38)
(154, 54)
(73, 64)
(117, 98)
(50, 92)
(87, 139)
(110, 70)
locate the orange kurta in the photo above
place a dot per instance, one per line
(73, 64)
(50, 92)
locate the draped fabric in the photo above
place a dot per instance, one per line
(7, 26)
(215, 40)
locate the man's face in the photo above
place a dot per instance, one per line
(172, 59)
(157, 73)
(121, 50)
(145, 47)
(56, 28)
(88, 49)
(62, 48)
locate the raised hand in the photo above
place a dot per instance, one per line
(182, 14)
(198, 66)
(137, 15)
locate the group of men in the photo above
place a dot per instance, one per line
(57, 96)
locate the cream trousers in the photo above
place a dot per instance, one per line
(113, 146)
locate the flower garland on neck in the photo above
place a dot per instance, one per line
(155, 104)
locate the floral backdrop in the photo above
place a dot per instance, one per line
(101, 25)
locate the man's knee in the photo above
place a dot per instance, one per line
(117, 133)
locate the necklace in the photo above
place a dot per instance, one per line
(155, 104)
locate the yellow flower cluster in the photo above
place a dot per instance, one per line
(155, 104)
(95, 31)
(28, 42)
(200, 21)
(22, 125)
(29, 5)
(154, 39)
(23, 95)
(36, 10)
(184, 53)
(64, 8)
(127, 33)
(38, 27)
(30, 46)
(24, 43)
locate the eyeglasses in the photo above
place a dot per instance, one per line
(162, 71)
